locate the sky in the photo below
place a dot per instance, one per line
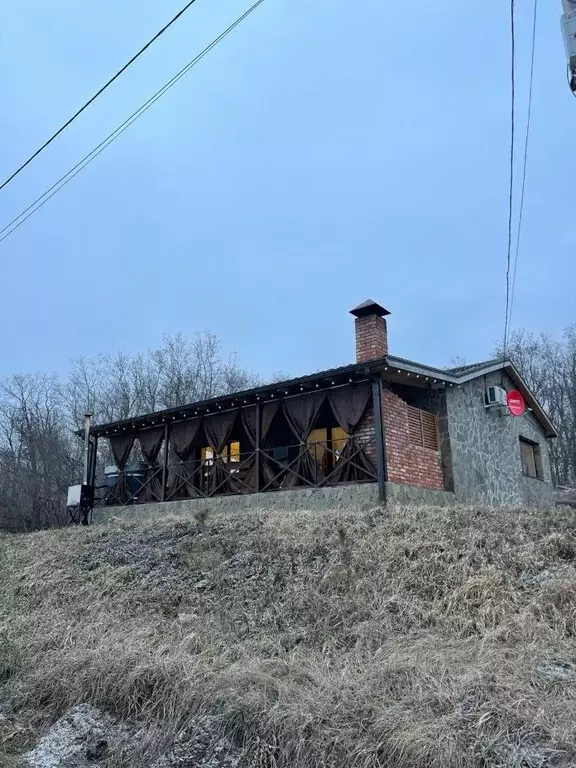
(325, 152)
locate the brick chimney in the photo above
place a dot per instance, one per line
(371, 331)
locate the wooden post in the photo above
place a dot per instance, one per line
(165, 463)
(381, 463)
(258, 437)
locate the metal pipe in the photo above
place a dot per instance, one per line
(87, 422)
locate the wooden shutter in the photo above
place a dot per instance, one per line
(423, 428)
(415, 424)
(430, 430)
(528, 458)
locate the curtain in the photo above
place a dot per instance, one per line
(301, 413)
(121, 445)
(218, 429)
(248, 416)
(183, 440)
(348, 406)
(269, 411)
(151, 443)
(268, 470)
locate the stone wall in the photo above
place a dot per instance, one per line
(362, 497)
(485, 450)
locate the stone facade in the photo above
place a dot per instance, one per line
(363, 497)
(484, 464)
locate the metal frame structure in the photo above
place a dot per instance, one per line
(194, 478)
(173, 479)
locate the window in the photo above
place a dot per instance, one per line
(423, 428)
(339, 439)
(231, 453)
(531, 459)
(317, 445)
(326, 444)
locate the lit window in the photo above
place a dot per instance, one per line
(326, 444)
(231, 453)
(339, 440)
(207, 455)
(317, 444)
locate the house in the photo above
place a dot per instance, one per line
(382, 428)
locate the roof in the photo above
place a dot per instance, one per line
(336, 377)
(324, 379)
(459, 369)
(463, 374)
(369, 307)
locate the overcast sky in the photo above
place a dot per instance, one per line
(324, 153)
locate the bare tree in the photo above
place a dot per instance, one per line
(549, 367)
(39, 453)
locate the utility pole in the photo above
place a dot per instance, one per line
(569, 33)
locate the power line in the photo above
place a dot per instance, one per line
(98, 93)
(75, 170)
(525, 163)
(511, 193)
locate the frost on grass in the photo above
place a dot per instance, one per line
(419, 638)
(76, 740)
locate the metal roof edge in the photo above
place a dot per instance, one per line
(353, 368)
(466, 376)
(379, 364)
(515, 375)
(424, 370)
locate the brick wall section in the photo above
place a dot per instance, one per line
(371, 338)
(365, 434)
(407, 464)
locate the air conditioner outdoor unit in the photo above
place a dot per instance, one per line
(495, 396)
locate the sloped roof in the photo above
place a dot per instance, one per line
(462, 374)
(460, 369)
(333, 377)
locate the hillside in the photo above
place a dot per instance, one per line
(420, 638)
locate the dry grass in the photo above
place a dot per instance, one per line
(422, 638)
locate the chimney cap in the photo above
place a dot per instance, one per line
(369, 307)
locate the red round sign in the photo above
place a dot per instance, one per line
(516, 403)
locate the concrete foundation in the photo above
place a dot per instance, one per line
(363, 496)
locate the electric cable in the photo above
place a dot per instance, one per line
(511, 191)
(525, 163)
(40, 201)
(97, 94)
